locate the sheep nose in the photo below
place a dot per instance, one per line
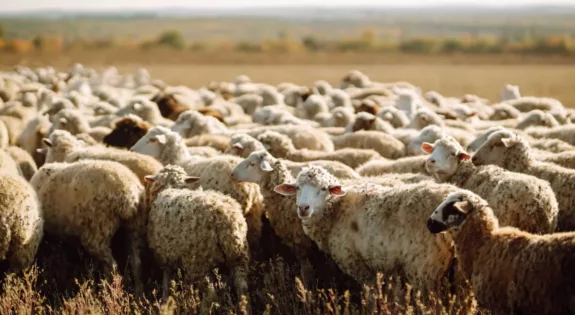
(303, 208)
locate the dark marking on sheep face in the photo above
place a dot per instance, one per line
(127, 132)
(354, 226)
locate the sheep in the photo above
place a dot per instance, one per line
(367, 121)
(368, 228)
(262, 168)
(510, 271)
(527, 104)
(536, 118)
(90, 200)
(282, 147)
(218, 142)
(8, 164)
(24, 160)
(127, 131)
(145, 109)
(303, 137)
(513, 153)
(195, 230)
(425, 117)
(4, 135)
(249, 102)
(565, 133)
(243, 145)
(551, 145)
(413, 164)
(504, 111)
(387, 146)
(430, 133)
(509, 92)
(203, 151)
(339, 98)
(395, 117)
(21, 222)
(63, 147)
(313, 105)
(338, 117)
(518, 200)
(14, 127)
(168, 148)
(192, 123)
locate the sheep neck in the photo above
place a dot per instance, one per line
(279, 175)
(519, 157)
(464, 173)
(177, 153)
(475, 231)
(320, 224)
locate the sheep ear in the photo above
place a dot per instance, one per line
(427, 147)
(472, 114)
(265, 166)
(191, 179)
(161, 139)
(336, 190)
(338, 115)
(286, 189)
(137, 107)
(47, 142)
(150, 178)
(508, 142)
(463, 206)
(371, 120)
(238, 146)
(41, 151)
(388, 116)
(464, 156)
(63, 121)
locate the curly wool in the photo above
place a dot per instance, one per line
(21, 223)
(196, 230)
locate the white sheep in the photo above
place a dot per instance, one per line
(21, 222)
(215, 173)
(282, 147)
(386, 145)
(511, 152)
(369, 228)
(90, 200)
(519, 200)
(412, 164)
(195, 230)
(509, 92)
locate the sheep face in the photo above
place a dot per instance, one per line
(537, 118)
(314, 188)
(171, 176)
(243, 145)
(450, 213)
(127, 132)
(510, 92)
(253, 168)
(493, 151)
(152, 143)
(444, 157)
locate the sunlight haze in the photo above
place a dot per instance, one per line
(67, 5)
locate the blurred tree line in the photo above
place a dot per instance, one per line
(368, 41)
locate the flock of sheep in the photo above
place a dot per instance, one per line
(374, 177)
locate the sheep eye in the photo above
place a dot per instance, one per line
(252, 164)
(324, 189)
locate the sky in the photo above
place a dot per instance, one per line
(22, 5)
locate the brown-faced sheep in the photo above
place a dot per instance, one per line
(511, 271)
(127, 131)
